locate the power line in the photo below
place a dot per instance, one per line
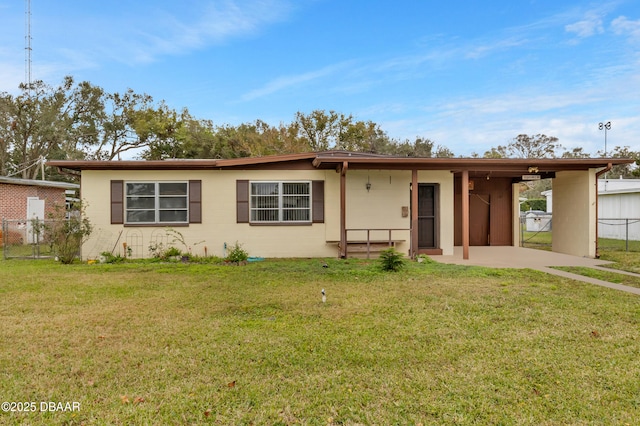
(27, 165)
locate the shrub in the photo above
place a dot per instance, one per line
(171, 251)
(534, 204)
(67, 236)
(107, 257)
(237, 254)
(391, 260)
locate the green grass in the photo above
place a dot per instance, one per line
(543, 240)
(609, 276)
(210, 344)
(609, 249)
(627, 261)
(537, 240)
(608, 244)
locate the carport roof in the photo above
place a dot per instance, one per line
(507, 167)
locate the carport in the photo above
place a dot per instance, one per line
(485, 197)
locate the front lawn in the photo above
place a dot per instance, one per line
(210, 344)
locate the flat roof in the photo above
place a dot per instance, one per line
(510, 167)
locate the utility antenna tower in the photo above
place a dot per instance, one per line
(27, 47)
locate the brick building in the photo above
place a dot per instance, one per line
(15, 195)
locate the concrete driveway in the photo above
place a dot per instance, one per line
(540, 260)
(516, 257)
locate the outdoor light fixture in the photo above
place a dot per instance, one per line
(533, 169)
(368, 184)
(605, 126)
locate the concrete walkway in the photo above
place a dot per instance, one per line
(540, 260)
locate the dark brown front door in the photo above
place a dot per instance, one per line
(427, 216)
(479, 232)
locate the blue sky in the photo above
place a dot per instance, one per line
(467, 75)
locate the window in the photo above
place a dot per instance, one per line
(156, 202)
(280, 202)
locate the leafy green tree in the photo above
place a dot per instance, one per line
(115, 133)
(626, 171)
(527, 146)
(444, 152)
(161, 131)
(70, 121)
(318, 128)
(44, 122)
(279, 139)
(498, 152)
(359, 136)
(7, 127)
(419, 148)
(323, 130)
(82, 121)
(199, 139)
(576, 153)
(533, 146)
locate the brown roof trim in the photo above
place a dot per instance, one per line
(178, 164)
(189, 164)
(476, 164)
(250, 161)
(334, 159)
(133, 164)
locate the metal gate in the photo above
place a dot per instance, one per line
(27, 239)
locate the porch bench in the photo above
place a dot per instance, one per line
(359, 248)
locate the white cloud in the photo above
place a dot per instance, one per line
(215, 23)
(475, 124)
(286, 82)
(11, 77)
(482, 50)
(626, 27)
(132, 38)
(591, 25)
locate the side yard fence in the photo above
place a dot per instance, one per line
(619, 234)
(27, 239)
(626, 230)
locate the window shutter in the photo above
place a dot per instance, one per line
(242, 201)
(195, 201)
(117, 202)
(317, 204)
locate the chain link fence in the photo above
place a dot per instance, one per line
(27, 239)
(615, 234)
(619, 234)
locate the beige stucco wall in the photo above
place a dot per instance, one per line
(380, 207)
(574, 213)
(218, 216)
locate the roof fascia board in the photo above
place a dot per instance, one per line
(477, 164)
(134, 165)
